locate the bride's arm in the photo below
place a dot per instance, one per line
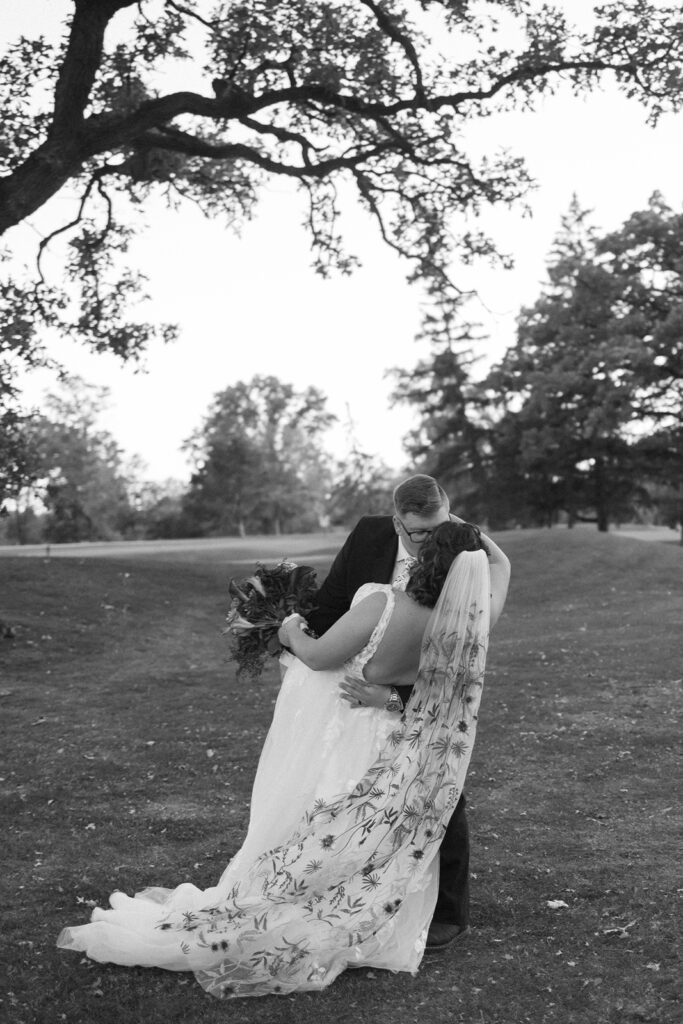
(499, 567)
(341, 641)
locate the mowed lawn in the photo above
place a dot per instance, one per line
(129, 748)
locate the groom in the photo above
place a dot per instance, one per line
(381, 549)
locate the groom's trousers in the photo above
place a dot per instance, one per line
(453, 901)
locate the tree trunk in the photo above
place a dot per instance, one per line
(62, 155)
(601, 500)
(39, 178)
(19, 525)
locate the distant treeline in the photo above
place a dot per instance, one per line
(582, 420)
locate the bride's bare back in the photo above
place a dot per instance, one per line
(397, 658)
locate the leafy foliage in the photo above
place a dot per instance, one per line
(208, 101)
(597, 364)
(79, 475)
(583, 413)
(451, 439)
(258, 459)
(361, 486)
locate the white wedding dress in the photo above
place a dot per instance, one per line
(318, 749)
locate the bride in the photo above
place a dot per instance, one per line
(339, 867)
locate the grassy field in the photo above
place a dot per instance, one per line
(129, 749)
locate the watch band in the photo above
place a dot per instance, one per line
(394, 702)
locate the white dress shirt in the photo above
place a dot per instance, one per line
(401, 567)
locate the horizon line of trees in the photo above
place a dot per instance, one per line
(581, 421)
(206, 104)
(259, 466)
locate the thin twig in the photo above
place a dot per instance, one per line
(390, 29)
(65, 227)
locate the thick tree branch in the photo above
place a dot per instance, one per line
(82, 60)
(182, 142)
(63, 154)
(237, 104)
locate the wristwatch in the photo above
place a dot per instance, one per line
(394, 703)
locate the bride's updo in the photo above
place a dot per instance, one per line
(436, 556)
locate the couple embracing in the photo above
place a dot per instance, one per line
(357, 848)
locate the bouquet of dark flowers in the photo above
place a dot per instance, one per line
(259, 604)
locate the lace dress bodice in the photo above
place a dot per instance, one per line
(355, 665)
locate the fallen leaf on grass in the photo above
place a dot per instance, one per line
(621, 930)
(88, 903)
(556, 904)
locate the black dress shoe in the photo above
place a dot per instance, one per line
(442, 936)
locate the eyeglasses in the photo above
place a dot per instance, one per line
(416, 536)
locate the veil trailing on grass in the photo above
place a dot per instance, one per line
(338, 892)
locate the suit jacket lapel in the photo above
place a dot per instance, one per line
(384, 558)
(372, 557)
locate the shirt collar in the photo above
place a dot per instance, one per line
(402, 554)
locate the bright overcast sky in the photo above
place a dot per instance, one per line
(253, 305)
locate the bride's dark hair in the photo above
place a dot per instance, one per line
(436, 556)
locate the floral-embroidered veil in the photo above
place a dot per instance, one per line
(311, 905)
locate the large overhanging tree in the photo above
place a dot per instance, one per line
(365, 95)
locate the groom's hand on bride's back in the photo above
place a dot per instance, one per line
(360, 694)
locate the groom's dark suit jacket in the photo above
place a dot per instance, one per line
(369, 556)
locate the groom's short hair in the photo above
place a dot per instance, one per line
(421, 495)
